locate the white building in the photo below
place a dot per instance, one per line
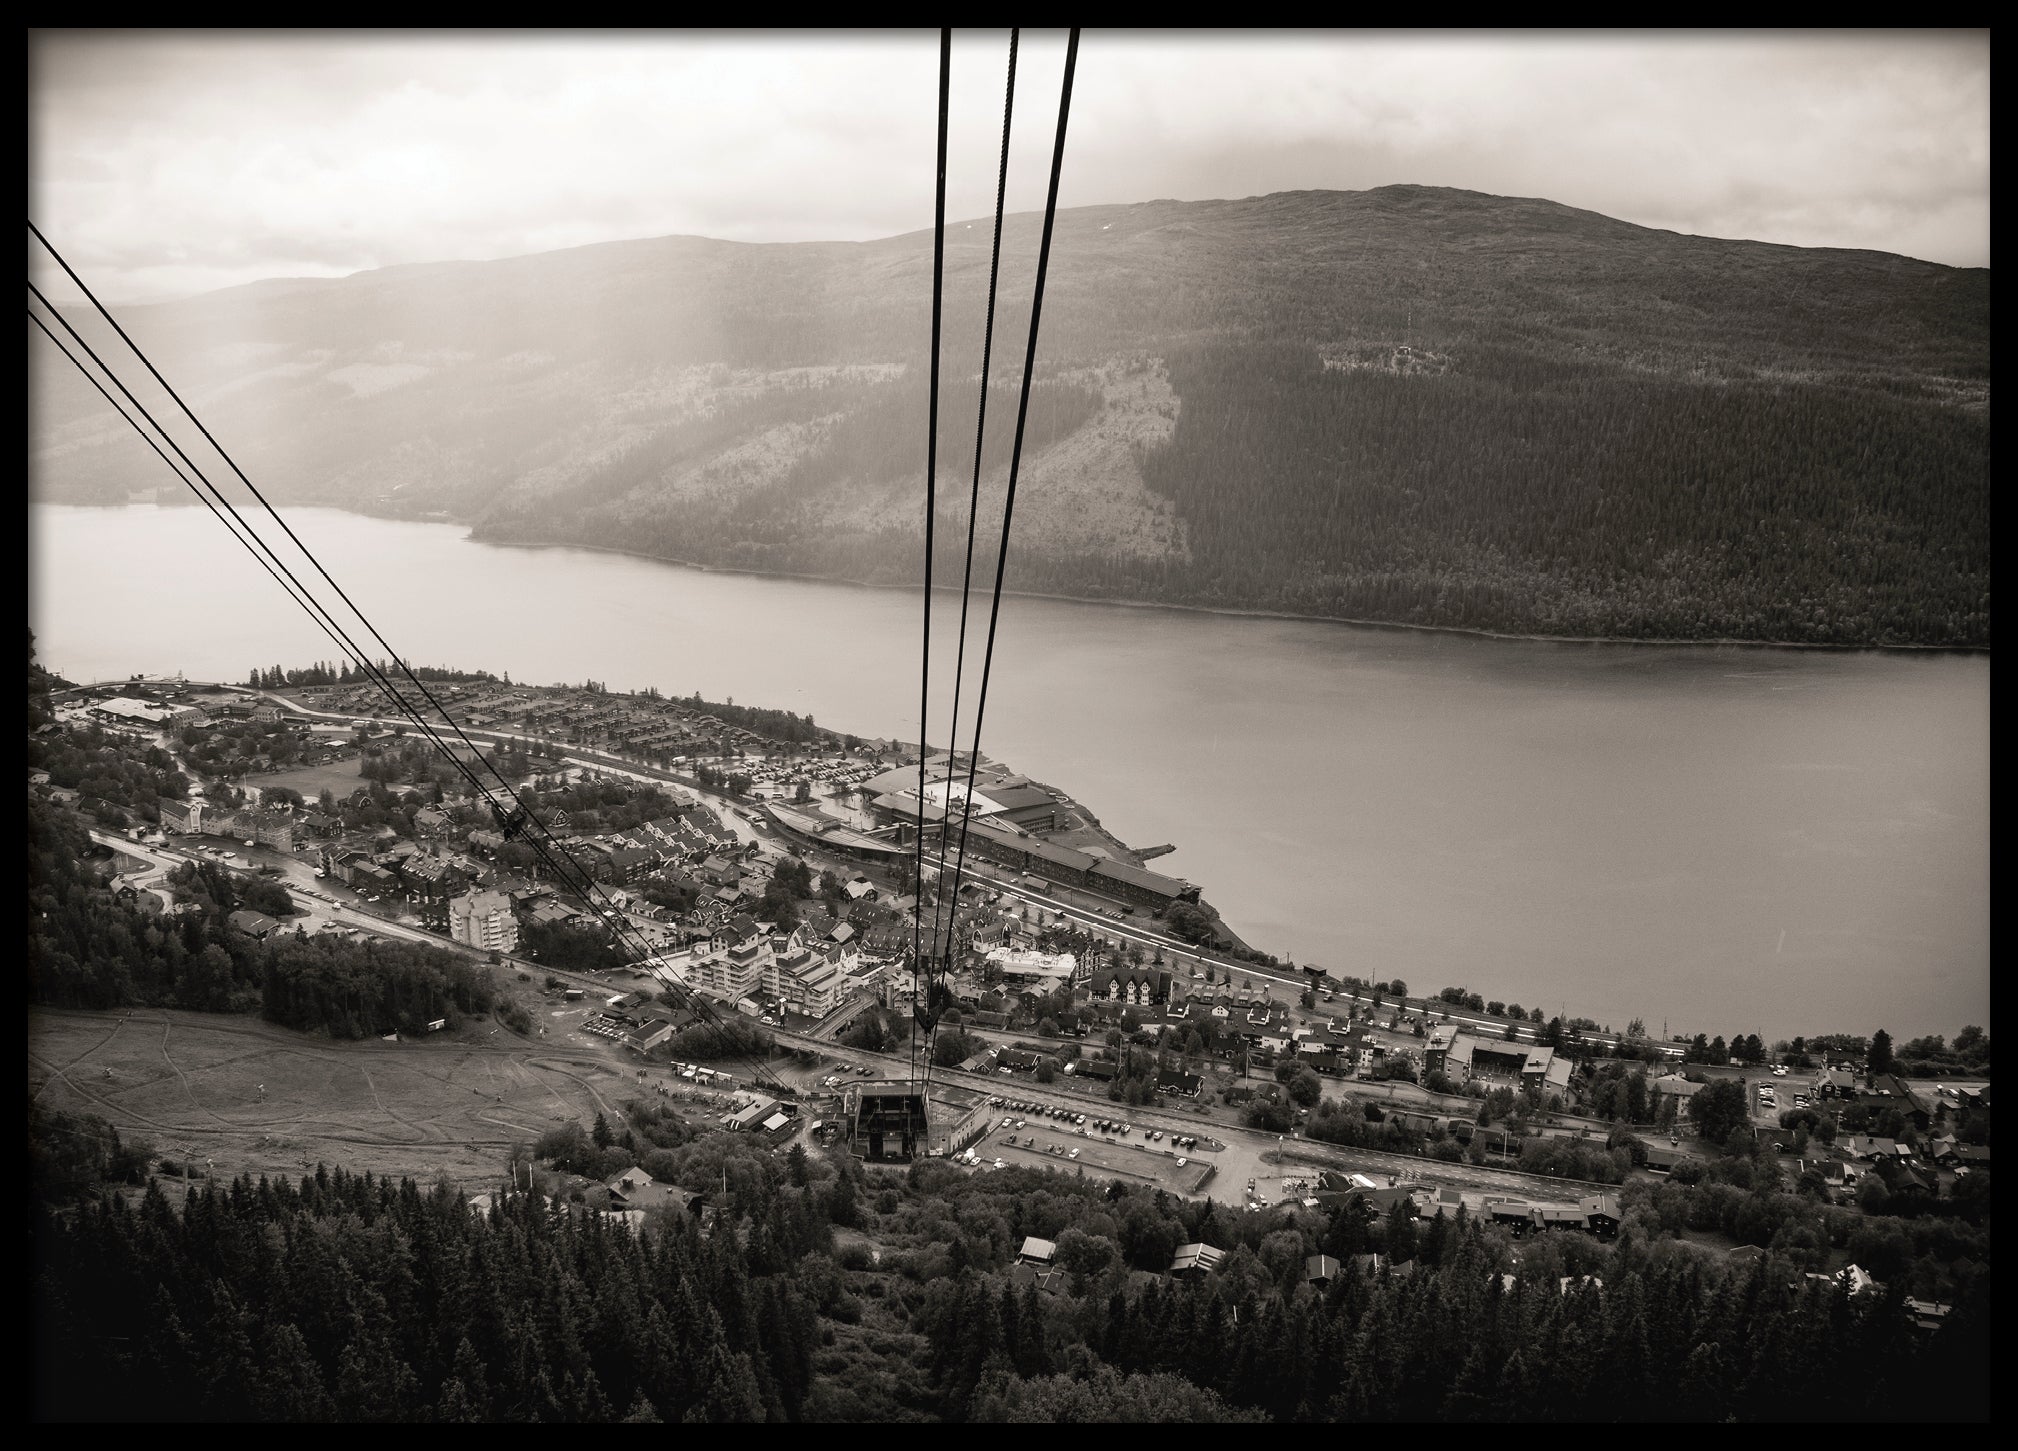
(484, 919)
(1027, 966)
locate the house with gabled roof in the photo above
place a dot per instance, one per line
(634, 1189)
(1195, 1261)
(1600, 1214)
(253, 924)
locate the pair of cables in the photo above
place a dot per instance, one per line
(564, 869)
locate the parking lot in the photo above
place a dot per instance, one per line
(1108, 1158)
(1028, 1132)
(1779, 1091)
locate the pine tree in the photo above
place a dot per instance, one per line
(453, 1407)
(468, 1373)
(728, 1389)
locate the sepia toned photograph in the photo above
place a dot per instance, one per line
(979, 725)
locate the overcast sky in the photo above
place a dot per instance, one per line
(167, 164)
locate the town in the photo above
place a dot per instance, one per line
(720, 937)
(766, 865)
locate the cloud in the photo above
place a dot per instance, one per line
(173, 162)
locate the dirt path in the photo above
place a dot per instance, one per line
(187, 1086)
(64, 1071)
(394, 1115)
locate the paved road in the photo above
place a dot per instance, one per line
(733, 815)
(159, 864)
(1241, 1154)
(1120, 930)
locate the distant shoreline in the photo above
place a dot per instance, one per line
(1213, 609)
(1227, 610)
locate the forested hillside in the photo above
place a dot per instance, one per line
(1411, 404)
(340, 1297)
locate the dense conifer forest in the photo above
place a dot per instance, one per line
(348, 1298)
(1523, 492)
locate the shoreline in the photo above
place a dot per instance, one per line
(1284, 971)
(1232, 611)
(1227, 610)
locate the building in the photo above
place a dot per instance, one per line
(1034, 971)
(544, 911)
(751, 1115)
(124, 711)
(1853, 1278)
(1195, 1261)
(1465, 1057)
(432, 876)
(1601, 1214)
(269, 828)
(1661, 1159)
(886, 1121)
(634, 1189)
(1119, 880)
(1026, 805)
(485, 920)
(188, 817)
(1038, 1252)
(253, 924)
(1135, 987)
(1676, 1087)
(811, 824)
(733, 971)
(629, 864)
(810, 980)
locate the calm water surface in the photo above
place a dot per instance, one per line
(1728, 840)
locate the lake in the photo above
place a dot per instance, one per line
(1721, 839)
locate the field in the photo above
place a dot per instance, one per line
(340, 778)
(259, 1099)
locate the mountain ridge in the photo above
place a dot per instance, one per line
(1408, 405)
